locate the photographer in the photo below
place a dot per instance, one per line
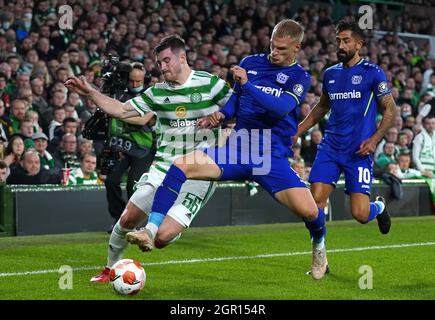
(134, 144)
(128, 143)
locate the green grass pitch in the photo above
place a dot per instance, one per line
(239, 262)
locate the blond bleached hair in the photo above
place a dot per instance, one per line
(289, 28)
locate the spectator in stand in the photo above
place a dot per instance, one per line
(39, 102)
(30, 172)
(25, 94)
(405, 172)
(26, 130)
(33, 117)
(46, 159)
(423, 150)
(398, 123)
(85, 146)
(6, 128)
(392, 168)
(387, 156)
(59, 115)
(69, 125)
(14, 150)
(3, 142)
(391, 136)
(403, 143)
(3, 171)
(409, 122)
(70, 112)
(5, 96)
(85, 174)
(66, 156)
(17, 114)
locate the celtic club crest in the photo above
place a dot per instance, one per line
(196, 97)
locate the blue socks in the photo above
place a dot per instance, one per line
(317, 227)
(166, 195)
(375, 208)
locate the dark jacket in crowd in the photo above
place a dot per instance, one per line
(20, 176)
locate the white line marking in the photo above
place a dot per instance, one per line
(260, 256)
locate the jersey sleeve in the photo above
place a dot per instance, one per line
(299, 88)
(143, 103)
(220, 91)
(380, 82)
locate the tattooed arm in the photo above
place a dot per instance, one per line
(387, 103)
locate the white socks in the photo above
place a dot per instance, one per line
(117, 244)
(381, 205)
(319, 245)
(153, 228)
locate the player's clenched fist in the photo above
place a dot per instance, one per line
(79, 85)
(239, 75)
(211, 121)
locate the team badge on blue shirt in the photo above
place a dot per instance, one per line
(356, 79)
(281, 78)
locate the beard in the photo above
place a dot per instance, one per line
(345, 57)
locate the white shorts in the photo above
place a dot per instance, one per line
(193, 195)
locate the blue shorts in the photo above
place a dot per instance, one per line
(358, 171)
(274, 173)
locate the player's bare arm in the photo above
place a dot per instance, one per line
(148, 118)
(213, 120)
(387, 103)
(317, 113)
(111, 106)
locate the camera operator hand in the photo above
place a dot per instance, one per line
(111, 106)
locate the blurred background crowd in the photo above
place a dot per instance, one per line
(41, 122)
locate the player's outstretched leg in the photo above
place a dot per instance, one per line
(384, 220)
(317, 229)
(117, 245)
(131, 217)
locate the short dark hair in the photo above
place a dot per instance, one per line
(173, 41)
(352, 26)
(428, 117)
(68, 119)
(3, 164)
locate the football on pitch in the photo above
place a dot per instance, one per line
(127, 277)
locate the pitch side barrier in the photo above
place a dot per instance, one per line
(49, 209)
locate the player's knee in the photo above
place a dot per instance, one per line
(182, 164)
(159, 243)
(360, 215)
(311, 213)
(307, 212)
(126, 221)
(162, 240)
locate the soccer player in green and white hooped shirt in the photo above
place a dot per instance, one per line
(185, 96)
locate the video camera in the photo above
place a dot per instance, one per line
(115, 76)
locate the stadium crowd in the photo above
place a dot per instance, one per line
(38, 116)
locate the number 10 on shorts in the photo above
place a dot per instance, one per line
(364, 175)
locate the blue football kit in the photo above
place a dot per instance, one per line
(266, 108)
(353, 94)
(263, 128)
